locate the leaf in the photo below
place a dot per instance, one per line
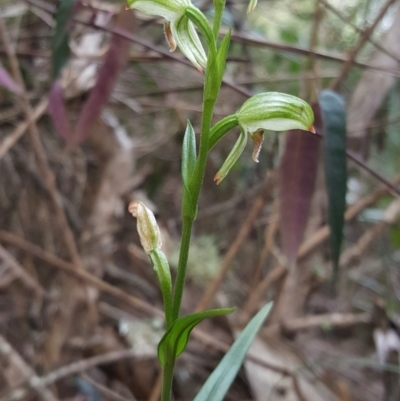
(58, 111)
(218, 383)
(223, 54)
(334, 121)
(188, 154)
(189, 208)
(176, 338)
(297, 184)
(232, 158)
(7, 82)
(60, 51)
(115, 60)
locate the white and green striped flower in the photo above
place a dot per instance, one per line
(179, 30)
(271, 111)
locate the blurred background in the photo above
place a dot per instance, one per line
(93, 108)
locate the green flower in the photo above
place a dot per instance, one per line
(179, 30)
(266, 111)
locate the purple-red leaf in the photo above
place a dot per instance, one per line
(115, 60)
(8, 82)
(297, 183)
(58, 111)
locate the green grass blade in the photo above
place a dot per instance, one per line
(217, 385)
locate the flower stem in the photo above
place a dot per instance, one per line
(168, 376)
(219, 6)
(182, 264)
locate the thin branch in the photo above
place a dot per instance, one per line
(13, 138)
(109, 394)
(338, 320)
(316, 83)
(54, 261)
(361, 42)
(240, 38)
(73, 369)
(39, 150)
(375, 174)
(359, 30)
(20, 273)
(322, 234)
(29, 375)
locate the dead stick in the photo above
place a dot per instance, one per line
(13, 138)
(54, 261)
(73, 369)
(20, 272)
(333, 319)
(67, 267)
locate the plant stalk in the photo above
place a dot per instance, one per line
(181, 273)
(168, 375)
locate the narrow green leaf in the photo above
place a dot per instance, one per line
(189, 157)
(218, 383)
(334, 121)
(232, 158)
(161, 267)
(175, 339)
(219, 6)
(223, 54)
(188, 154)
(60, 51)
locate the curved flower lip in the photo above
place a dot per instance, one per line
(179, 30)
(276, 112)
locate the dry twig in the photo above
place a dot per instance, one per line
(29, 375)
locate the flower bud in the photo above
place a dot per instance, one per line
(149, 233)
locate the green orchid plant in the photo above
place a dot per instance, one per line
(269, 111)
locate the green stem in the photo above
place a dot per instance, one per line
(181, 273)
(195, 187)
(162, 270)
(195, 184)
(168, 376)
(221, 128)
(219, 6)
